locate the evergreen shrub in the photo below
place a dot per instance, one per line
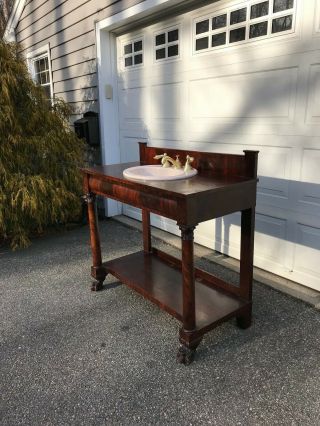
(40, 181)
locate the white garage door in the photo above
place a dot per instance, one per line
(229, 77)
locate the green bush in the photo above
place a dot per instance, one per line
(40, 155)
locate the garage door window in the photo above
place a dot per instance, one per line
(247, 22)
(167, 44)
(132, 53)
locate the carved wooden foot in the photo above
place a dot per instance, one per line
(96, 285)
(185, 355)
(99, 274)
(244, 321)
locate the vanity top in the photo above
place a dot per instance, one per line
(202, 182)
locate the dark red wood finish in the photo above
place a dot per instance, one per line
(225, 184)
(146, 232)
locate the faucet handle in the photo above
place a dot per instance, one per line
(159, 156)
(187, 166)
(178, 163)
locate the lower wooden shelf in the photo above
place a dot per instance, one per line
(161, 282)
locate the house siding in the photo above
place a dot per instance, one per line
(69, 28)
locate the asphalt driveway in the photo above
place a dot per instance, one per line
(72, 357)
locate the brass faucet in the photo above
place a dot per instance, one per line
(166, 160)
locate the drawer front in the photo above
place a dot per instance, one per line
(155, 204)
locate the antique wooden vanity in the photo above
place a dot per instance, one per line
(224, 184)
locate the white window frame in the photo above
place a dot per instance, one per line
(227, 9)
(167, 44)
(123, 56)
(35, 55)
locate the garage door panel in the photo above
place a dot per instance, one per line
(163, 78)
(316, 27)
(223, 235)
(134, 129)
(313, 105)
(258, 128)
(307, 253)
(310, 171)
(309, 197)
(167, 142)
(270, 238)
(132, 103)
(274, 170)
(165, 101)
(307, 191)
(273, 189)
(129, 149)
(132, 79)
(272, 248)
(239, 96)
(220, 234)
(170, 130)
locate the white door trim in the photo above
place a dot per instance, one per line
(107, 75)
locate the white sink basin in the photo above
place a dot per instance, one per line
(157, 172)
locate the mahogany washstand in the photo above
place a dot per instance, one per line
(225, 184)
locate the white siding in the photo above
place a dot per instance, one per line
(69, 28)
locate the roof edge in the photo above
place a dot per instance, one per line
(9, 33)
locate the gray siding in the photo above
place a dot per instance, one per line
(68, 27)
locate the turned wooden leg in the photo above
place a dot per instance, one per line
(97, 271)
(146, 231)
(244, 319)
(246, 264)
(188, 339)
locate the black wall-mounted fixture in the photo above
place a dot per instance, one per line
(88, 128)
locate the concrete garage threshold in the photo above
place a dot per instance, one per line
(286, 286)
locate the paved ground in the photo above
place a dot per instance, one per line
(70, 357)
